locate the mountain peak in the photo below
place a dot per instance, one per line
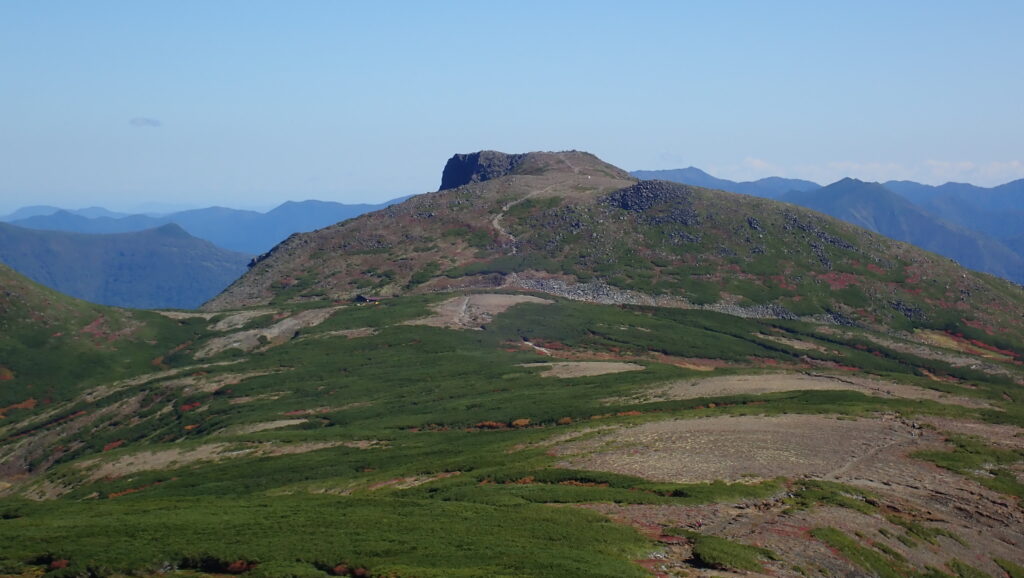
(171, 230)
(464, 169)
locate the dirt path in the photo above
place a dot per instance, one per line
(496, 221)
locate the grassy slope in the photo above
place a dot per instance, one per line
(707, 247)
(418, 392)
(53, 346)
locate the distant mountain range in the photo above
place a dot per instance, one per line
(874, 207)
(238, 230)
(997, 211)
(163, 267)
(769, 187)
(43, 210)
(981, 228)
(565, 370)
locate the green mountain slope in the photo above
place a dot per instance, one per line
(159, 268)
(52, 346)
(372, 438)
(495, 416)
(569, 224)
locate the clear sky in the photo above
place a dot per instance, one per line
(248, 103)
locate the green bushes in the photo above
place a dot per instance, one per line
(971, 456)
(299, 534)
(868, 559)
(714, 552)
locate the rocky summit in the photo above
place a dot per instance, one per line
(569, 224)
(548, 369)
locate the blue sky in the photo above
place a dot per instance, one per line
(248, 103)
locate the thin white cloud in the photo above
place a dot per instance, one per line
(749, 169)
(145, 122)
(987, 174)
(758, 164)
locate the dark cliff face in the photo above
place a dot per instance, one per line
(463, 169)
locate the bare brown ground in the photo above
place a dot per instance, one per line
(583, 368)
(794, 343)
(410, 481)
(931, 344)
(210, 383)
(276, 334)
(870, 453)
(1004, 436)
(734, 448)
(775, 382)
(102, 391)
(472, 311)
(258, 427)
(185, 314)
(944, 340)
(262, 397)
(350, 333)
(694, 363)
(237, 320)
(176, 458)
(328, 409)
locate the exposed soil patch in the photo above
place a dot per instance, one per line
(29, 403)
(185, 314)
(201, 383)
(558, 351)
(327, 409)
(931, 344)
(150, 460)
(257, 427)
(350, 333)
(735, 448)
(756, 384)
(238, 320)
(473, 311)
(176, 458)
(410, 481)
(101, 330)
(966, 345)
(583, 368)
(276, 334)
(1005, 436)
(794, 343)
(262, 397)
(871, 454)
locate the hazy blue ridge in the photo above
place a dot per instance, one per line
(875, 207)
(164, 267)
(238, 230)
(770, 187)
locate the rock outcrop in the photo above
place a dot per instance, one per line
(463, 169)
